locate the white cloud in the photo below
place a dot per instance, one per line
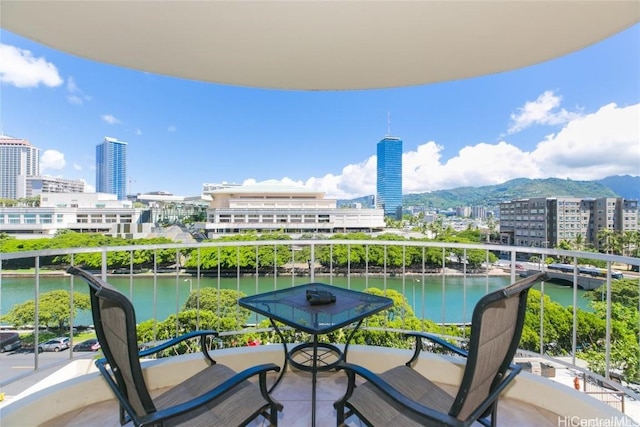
(88, 188)
(74, 94)
(596, 145)
(542, 111)
(589, 147)
(52, 159)
(20, 68)
(108, 118)
(172, 128)
(77, 167)
(74, 99)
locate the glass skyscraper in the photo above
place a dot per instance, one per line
(389, 177)
(111, 168)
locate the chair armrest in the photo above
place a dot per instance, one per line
(394, 394)
(435, 339)
(177, 340)
(218, 391)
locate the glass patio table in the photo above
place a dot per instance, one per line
(292, 307)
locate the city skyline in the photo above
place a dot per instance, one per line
(574, 117)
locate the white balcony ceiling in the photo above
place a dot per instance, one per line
(319, 45)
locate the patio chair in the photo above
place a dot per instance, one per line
(217, 395)
(403, 397)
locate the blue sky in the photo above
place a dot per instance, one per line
(575, 117)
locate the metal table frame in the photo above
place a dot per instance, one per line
(290, 307)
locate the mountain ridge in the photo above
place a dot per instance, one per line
(491, 195)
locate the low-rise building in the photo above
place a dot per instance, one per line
(36, 185)
(273, 206)
(80, 212)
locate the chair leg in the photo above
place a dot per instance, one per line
(273, 416)
(494, 413)
(339, 415)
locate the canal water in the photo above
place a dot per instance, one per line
(451, 302)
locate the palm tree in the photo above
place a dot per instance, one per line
(604, 238)
(630, 240)
(609, 241)
(436, 227)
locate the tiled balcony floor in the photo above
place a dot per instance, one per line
(294, 392)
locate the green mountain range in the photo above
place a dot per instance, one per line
(492, 195)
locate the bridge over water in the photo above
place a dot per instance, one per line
(585, 281)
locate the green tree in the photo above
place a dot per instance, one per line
(623, 291)
(222, 303)
(625, 352)
(556, 323)
(53, 308)
(609, 241)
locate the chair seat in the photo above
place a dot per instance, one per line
(376, 406)
(231, 409)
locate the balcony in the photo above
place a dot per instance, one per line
(69, 391)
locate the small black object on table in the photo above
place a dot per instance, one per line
(317, 309)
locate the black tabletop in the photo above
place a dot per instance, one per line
(291, 307)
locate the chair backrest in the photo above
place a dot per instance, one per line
(496, 329)
(115, 322)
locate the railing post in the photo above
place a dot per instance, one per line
(574, 343)
(312, 265)
(443, 310)
(36, 320)
(607, 344)
(71, 302)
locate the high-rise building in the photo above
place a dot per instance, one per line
(389, 177)
(111, 167)
(18, 160)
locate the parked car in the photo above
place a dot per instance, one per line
(9, 341)
(55, 344)
(88, 345)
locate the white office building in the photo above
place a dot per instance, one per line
(37, 185)
(273, 206)
(80, 212)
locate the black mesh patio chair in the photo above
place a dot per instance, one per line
(403, 397)
(215, 396)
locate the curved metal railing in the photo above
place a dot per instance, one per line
(288, 262)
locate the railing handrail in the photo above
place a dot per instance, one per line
(317, 242)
